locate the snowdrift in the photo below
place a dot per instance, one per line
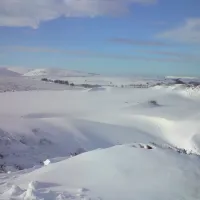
(62, 144)
(121, 172)
(41, 125)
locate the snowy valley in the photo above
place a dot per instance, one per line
(108, 142)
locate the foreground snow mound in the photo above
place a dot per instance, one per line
(135, 171)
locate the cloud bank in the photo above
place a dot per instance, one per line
(189, 32)
(22, 13)
(174, 57)
(127, 41)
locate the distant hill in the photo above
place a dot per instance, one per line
(43, 72)
(4, 72)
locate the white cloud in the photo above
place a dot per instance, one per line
(32, 12)
(188, 33)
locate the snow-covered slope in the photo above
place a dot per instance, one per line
(181, 77)
(140, 143)
(4, 72)
(47, 124)
(45, 72)
(20, 70)
(135, 171)
(55, 73)
(19, 83)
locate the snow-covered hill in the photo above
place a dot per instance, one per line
(55, 73)
(48, 124)
(4, 72)
(140, 143)
(20, 70)
(181, 77)
(43, 72)
(126, 172)
(49, 72)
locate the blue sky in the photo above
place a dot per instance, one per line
(155, 37)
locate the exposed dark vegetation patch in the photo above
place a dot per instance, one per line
(177, 149)
(89, 85)
(149, 147)
(35, 130)
(55, 81)
(18, 167)
(143, 146)
(44, 141)
(194, 83)
(178, 81)
(23, 140)
(2, 168)
(78, 151)
(153, 102)
(63, 82)
(139, 85)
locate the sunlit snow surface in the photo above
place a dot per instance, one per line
(58, 142)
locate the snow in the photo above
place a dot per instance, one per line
(12, 84)
(42, 72)
(20, 70)
(58, 142)
(51, 72)
(181, 77)
(47, 162)
(4, 72)
(120, 172)
(98, 89)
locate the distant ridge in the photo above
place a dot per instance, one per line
(4, 72)
(183, 77)
(42, 72)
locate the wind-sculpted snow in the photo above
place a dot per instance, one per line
(95, 144)
(43, 125)
(140, 171)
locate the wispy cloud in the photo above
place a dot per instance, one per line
(170, 53)
(184, 57)
(27, 49)
(133, 42)
(32, 49)
(172, 56)
(32, 12)
(189, 32)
